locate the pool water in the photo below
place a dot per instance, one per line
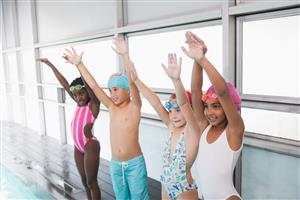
(14, 188)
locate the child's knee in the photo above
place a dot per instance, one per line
(91, 183)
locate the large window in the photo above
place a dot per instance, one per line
(150, 50)
(52, 120)
(269, 67)
(270, 59)
(31, 95)
(273, 123)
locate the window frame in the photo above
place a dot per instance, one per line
(289, 101)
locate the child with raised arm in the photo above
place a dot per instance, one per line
(127, 167)
(86, 146)
(220, 123)
(180, 150)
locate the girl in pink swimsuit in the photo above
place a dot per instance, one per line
(86, 146)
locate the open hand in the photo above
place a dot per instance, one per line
(120, 46)
(72, 57)
(45, 60)
(197, 48)
(174, 68)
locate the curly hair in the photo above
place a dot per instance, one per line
(77, 81)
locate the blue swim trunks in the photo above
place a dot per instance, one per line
(129, 179)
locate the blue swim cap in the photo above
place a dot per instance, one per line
(120, 81)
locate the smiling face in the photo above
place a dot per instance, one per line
(119, 95)
(81, 96)
(214, 113)
(175, 114)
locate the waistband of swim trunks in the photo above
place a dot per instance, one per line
(134, 160)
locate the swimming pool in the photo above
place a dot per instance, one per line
(14, 188)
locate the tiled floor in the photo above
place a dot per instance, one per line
(51, 166)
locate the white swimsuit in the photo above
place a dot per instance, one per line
(215, 165)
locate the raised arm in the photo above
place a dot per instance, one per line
(61, 79)
(90, 92)
(121, 49)
(173, 71)
(196, 51)
(151, 97)
(233, 116)
(75, 59)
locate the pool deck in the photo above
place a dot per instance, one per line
(50, 165)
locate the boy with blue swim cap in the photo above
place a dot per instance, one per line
(127, 166)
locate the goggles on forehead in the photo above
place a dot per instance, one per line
(212, 96)
(169, 105)
(77, 87)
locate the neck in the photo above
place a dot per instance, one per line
(220, 126)
(178, 130)
(123, 104)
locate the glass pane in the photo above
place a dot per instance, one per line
(69, 99)
(50, 92)
(2, 89)
(13, 89)
(2, 71)
(17, 110)
(149, 51)
(271, 50)
(100, 59)
(269, 175)
(147, 108)
(24, 18)
(152, 139)
(69, 111)
(29, 65)
(273, 123)
(32, 113)
(102, 132)
(31, 91)
(3, 105)
(12, 67)
(69, 71)
(52, 123)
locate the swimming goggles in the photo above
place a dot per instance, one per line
(77, 87)
(169, 105)
(212, 96)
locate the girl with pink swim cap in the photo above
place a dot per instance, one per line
(221, 126)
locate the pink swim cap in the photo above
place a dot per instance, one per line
(211, 94)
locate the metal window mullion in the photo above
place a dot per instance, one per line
(250, 8)
(61, 98)
(279, 107)
(43, 128)
(120, 22)
(229, 68)
(6, 76)
(40, 90)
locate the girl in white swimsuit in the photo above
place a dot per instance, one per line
(220, 122)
